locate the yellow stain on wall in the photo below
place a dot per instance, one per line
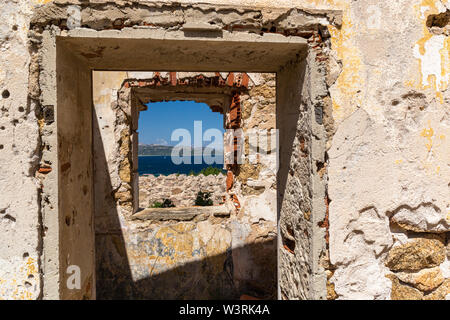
(19, 290)
(179, 239)
(435, 159)
(428, 134)
(349, 81)
(31, 267)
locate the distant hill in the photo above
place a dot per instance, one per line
(159, 150)
(154, 150)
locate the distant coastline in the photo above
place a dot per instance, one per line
(153, 150)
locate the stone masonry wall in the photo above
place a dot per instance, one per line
(181, 189)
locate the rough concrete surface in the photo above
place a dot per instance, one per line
(365, 163)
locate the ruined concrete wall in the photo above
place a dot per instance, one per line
(207, 256)
(389, 90)
(388, 160)
(19, 152)
(181, 189)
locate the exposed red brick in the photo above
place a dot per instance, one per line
(229, 180)
(288, 249)
(245, 80)
(325, 223)
(302, 144)
(45, 170)
(230, 79)
(173, 78)
(234, 114)
(235, 111)
(233, 80)
(235, 199)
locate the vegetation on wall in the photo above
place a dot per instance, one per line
(167, 203)
(207, 171)
(203, 199)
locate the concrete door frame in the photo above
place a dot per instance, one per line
(66, 59)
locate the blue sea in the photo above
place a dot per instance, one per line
(163, 165)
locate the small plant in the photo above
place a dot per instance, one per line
(203, 199)
(167, 203)
(156, 204)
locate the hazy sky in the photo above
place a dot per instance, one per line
(162, 118)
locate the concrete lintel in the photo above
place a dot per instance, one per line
(181, 214)
(155, 49)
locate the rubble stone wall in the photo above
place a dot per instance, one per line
(180, 188)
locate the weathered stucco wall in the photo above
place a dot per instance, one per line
(388, 161)
(389, 158)
(19, 148)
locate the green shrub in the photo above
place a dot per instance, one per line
(156, 204)
(207, 171)
(211, 171)
(167, 203)
(203, 199)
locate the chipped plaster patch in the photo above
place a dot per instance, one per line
(432, 52)
(431, 62)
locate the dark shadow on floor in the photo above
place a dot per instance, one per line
(209, 278)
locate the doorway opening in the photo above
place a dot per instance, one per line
(223, 249)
